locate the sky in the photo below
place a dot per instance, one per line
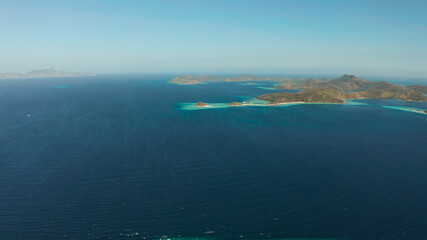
(377, 38)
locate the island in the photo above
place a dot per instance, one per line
(201, 104)
(235, 104)
(45, 73)
(420, 88)
(189, 80)
(345, 87)
(316, 90)
(313, 95)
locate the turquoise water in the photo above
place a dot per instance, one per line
(252, 84)
(270, 85)
(355, 102)
(254, 102)
(270, 88)
(408, 109)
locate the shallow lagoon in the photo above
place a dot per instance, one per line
(254, 102)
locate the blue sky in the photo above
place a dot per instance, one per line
(385, 38)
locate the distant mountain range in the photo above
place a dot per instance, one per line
(45, 73)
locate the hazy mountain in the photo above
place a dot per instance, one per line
(45, 73)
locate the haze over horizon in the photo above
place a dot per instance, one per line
(379, 38)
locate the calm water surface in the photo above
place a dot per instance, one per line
(114, 157)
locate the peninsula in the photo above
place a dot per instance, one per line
(45, 73)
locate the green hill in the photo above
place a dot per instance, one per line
(313, 95)
(333, 91)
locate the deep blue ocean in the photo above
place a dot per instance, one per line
(115, 157)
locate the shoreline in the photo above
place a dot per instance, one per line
(258, 103)
(189, 106)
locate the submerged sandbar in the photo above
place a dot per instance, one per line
(408, 109)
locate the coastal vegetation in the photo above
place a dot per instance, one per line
(235, 104)
(188, 79)
(313, 95)
(345, 87)
(201, 104)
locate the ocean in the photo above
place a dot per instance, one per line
(119, 157)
